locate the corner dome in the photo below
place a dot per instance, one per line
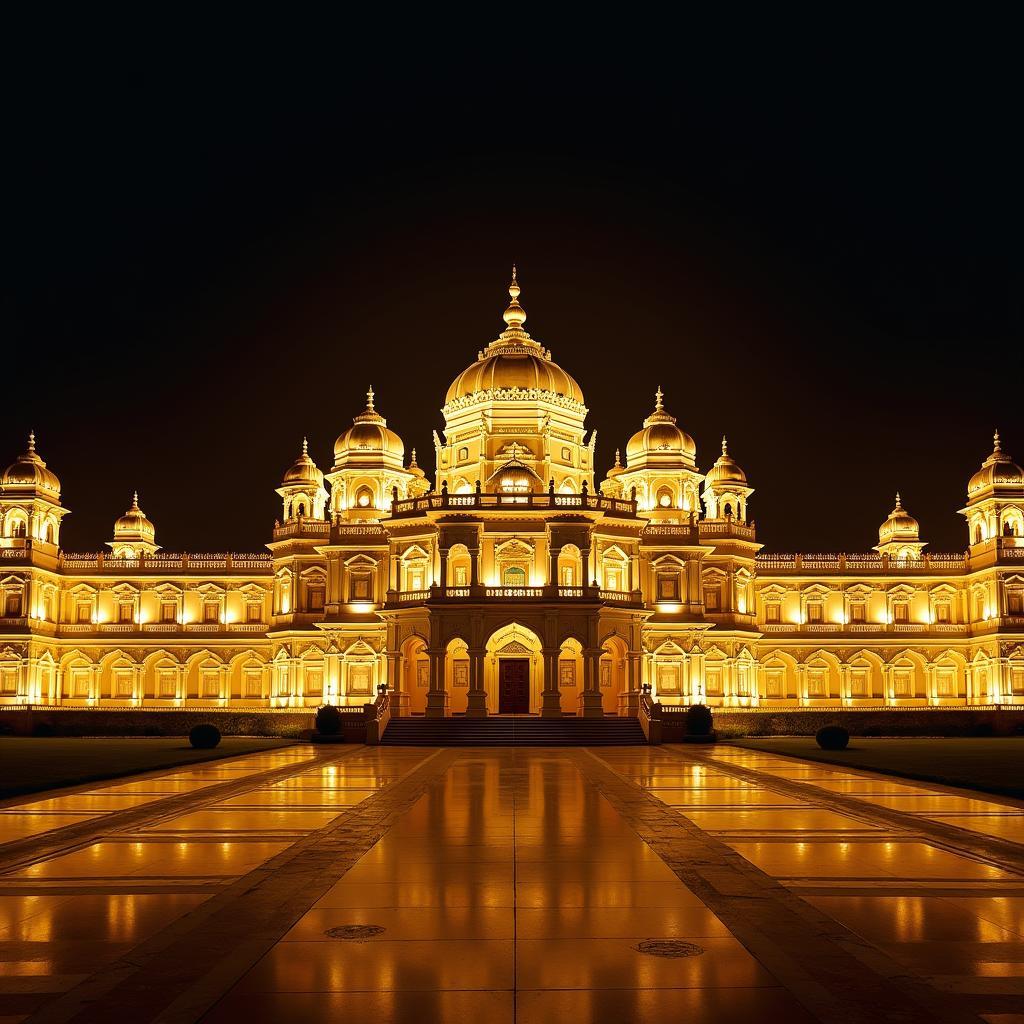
(134, 525)
(900, 525)
(998, 469)
(369, 440)
(725, 470)
(514, 360)
(29, 471)
(304, 470)
(661, 439)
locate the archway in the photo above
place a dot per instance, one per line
(513, 643)
(456, 675)
(414, 676)
(612, 675)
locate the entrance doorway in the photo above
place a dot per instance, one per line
(513, 686)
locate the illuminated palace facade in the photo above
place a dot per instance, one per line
(512, 584)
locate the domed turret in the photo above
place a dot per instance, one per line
(134, 534)
(661, 442)
(368, 441)
(899, 535)
(304, 470)
(28, 472)
(514, 360)
(995, 499)
(302, 488)
(725, 488)
(418, 483)
(998, 470)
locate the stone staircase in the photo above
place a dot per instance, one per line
(513, 731)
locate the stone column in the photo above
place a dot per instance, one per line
(551, 705)
(553, 565)
(476, 699)
(590, 699)
(585, 558)
(437, 695)
(398, 698)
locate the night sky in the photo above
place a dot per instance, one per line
(825, 264)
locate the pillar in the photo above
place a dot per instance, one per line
(551, 704)
(476, 699)
(437, 695)
(590, 700)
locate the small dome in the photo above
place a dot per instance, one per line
(369, 436)
(660, 437)
(514, 360)
(134, 525)
(725, 470)
(514, 477)
(29, 470)
(998, 469)
(900, 525)
(618, 467)
(304, 470)
(414, 468)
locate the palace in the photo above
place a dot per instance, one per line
(512, 584)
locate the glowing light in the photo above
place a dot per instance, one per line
(665, 500)
(364, 500)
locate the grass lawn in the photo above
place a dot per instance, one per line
(34, 763)
(993, 765)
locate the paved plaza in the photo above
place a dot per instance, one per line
(553, 884)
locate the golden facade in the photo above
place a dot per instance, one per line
(512, 583)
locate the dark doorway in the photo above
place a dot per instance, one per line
(513, 686)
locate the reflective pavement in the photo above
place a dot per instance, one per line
(617, 884)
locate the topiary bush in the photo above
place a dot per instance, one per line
(204, 737)
(328, 720)
(832, 737)
(698, 720)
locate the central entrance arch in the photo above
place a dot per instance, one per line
(514, 670)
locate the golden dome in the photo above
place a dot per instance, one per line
(29, 470)
(414, 468)
(900, 525)
(304, 470)
(618, 467)
(998, 469)
(134, 525)
(514, 360)
(369, 439)
(661, 438)
(725, 470)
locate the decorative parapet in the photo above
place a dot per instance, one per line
(163, 563)
(858, 563)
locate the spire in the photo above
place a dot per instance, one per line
(32, 442)
(305, 447)
(899, 505)
(369, 399)
(515, 315)
(725, 446)
(618, 459)
(659, 405)
(997, 447)
(135, 502)
(412, 461)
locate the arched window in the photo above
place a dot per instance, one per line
(19, 529)
(513, 576)
(49, 533)
(364, 497)
(728, 509)
(300, 509)
(664, 497)
(977, 534)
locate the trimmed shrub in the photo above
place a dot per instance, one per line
(204, 737)
(832, 737)
(698, 720)
(328, 720)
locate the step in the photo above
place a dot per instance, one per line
(513, 732)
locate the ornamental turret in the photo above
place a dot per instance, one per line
(995, 499)
(725, 489)
(899, 536)
(30, 508)
(302, 489)
(134, 534)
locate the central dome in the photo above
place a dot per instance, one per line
(514, 360)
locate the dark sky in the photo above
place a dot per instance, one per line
(822, 261)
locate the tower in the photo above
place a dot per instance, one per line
(134, 534)
(899, 535)
(725, 488)
(995, 499)
(302, 489)
(30, 508)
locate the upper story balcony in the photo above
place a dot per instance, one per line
(165, 563)
(860, 564)
(513, 502)
(441, 595)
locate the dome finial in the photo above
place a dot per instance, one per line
(725, 445)
(31, 442)
(618, 459)
(995, 439)
(659, 395)
(515, 315)
(369, 399)
(899, 504)
(305, 446)
(412, 461)
(135, 502)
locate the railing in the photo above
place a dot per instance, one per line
(863, 627)
(162, 563)
(675, 533)
(303, 527)
(544, 500)
(726, 528)
(413, 596)
(649, 716)
(378, 714)
(860, 562)
(514, 592)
